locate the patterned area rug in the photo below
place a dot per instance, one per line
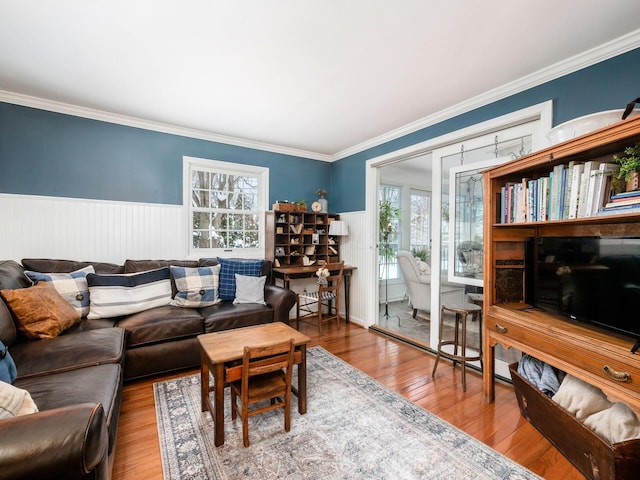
(354, 428)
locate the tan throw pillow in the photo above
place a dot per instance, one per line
(580, 398)
(40, 311)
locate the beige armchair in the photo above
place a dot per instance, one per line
(417, 276)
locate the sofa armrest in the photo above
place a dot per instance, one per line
(66, 442)
(281, 300)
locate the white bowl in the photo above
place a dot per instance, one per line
(588, 123)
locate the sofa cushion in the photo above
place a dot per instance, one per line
(115, 295)
(231, 266)
(66, 266)
(196, 287)
(40, 311)
(15, 401)
(135, 266)
(95, 384)
(12, 276)
(249, 289)
(72, 286)
(77, 349)
(226, 315)
(161, 324)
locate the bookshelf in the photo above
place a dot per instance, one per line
(585, 351)
(293, 236)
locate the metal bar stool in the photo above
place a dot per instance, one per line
(462, 311)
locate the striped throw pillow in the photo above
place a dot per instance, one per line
(124, 294)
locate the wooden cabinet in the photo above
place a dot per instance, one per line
(597, 356)
(292, 236)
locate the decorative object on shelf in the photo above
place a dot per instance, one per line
(585, 124)
(301, 205)
(324, 204)
(284, 206)
(338, 228)
(322, 274)
(629, 166)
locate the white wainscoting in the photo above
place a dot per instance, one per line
(356, 250)
(79, 229)
(106, 231)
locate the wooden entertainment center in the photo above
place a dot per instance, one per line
(598, 356)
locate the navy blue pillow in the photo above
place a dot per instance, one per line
(8, 371)
(228, 269)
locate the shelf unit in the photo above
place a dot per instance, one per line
(293, 235)
(595, 355)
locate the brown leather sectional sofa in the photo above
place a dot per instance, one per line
(76, 378)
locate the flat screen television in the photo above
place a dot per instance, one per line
(587, 279)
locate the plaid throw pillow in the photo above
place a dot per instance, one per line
(71, 286)
(228, 270)
(197, 287)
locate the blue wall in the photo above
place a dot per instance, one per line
(46, 153)
(607, 85)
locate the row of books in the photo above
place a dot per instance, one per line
(575, 190)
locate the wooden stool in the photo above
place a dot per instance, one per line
(462, 311)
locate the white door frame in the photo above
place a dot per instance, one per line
(542, 112)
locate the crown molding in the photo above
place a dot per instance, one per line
(103, 116)
(590, 57)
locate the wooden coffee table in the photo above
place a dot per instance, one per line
(220, 352)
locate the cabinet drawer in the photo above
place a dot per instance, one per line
(606, 369)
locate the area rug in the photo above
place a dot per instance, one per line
(354, 428)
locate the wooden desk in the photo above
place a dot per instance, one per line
(290, 273)
(219, 353)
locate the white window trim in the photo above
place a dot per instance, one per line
(188, 164)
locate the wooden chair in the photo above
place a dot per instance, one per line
(266, 375)
(310, 303)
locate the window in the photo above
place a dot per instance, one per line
(420, 224)
(390, 240)
(226, 206)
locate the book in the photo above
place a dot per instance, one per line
(622, 203)
(603, 185)
(619, 210)
(584, 186)
(574, 196)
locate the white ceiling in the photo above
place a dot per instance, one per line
(321, 76)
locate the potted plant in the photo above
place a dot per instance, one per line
(389, 216)
(301, 205)
(629, 166)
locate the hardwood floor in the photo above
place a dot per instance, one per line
(400, 367)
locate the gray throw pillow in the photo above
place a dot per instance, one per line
(249, 289)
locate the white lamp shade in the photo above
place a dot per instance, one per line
(338, 228)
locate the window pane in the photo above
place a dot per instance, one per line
(201, 220)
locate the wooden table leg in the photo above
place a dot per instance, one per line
(302, 380)
(346, 278)
(204, 382)
(218, 404)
